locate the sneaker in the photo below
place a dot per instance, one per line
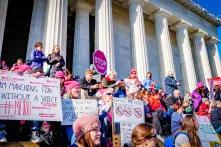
(3, 137)
(35, 137)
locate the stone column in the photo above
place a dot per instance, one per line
(56, 26)
(138, 38)
(164, 43)
(37, 25)
(188, 70)
(104, 31)
(202, 57)
(3, 13)
(81, 56)
(214, 57)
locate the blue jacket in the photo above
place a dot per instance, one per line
(147, 83)
(170, 85)
(37, 59)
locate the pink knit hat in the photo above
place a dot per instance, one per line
(71, 84)
(84, 124)
(59, 74)
(199, 85)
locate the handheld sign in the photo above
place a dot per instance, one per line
(29, 98)
(75, 108)
(206, 131)
(100, 62)
(128, 111)
(127, 114)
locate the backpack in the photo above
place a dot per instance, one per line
(170, 140)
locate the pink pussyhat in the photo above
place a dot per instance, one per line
(199, 85)
(84, 124)
(71, 84)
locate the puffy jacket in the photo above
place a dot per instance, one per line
(170, 85)
(154, 102)
(37, 59)
(196, 98)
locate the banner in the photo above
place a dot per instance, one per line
(29, 98)
(206, 131)
(128, 111)
(75, 108)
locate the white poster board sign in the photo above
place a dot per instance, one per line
(23, 97)
(206, 131)
(75, 108)
(128, 111)
(126, 132)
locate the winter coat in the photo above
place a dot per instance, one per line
(147, 83)
(154, 102)
(203, 109)
(170, 85)
(37, 59)
(85, 85)
(53, 59)
(196, 98)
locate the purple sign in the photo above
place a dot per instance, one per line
(100, 62)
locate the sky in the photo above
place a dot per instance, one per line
(214, 7)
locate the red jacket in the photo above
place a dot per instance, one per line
(203, 109)
(154, 102)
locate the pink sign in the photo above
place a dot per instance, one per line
(100, 62)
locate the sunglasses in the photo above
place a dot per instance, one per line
(109, 94)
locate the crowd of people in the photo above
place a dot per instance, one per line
(167, 112)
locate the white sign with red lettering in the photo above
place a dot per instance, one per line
(128, 111)
(23, 97)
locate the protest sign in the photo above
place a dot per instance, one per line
(128, 111)
(75, 108)
(100, 62)
(68, 112)
(23, 97)
(126, 131)
(127, 114)
(206, 131)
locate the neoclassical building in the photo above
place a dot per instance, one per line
(150, 35)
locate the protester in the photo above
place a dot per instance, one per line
(38, 57)
(156, 109)
(105, 115)
(215, 115)
(217, 91)
(189, 136)
(144, 135)
(204, 108)
(196, 96)
(109, 81)
(56, 61)
(172, 100)
(19, 62)
(60, 75)
(148, 81)
(3, 65)
(171, 83)
(132, 80)
(87, 131)
(89, 86)
(176, 118)
(72, 90)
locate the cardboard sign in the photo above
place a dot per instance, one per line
(100, 62)
(128, 111)
(23, 97)
(126, 132)
(75, 108)
(68, 112)
(206, 131)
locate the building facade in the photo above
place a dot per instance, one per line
(150, 35)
